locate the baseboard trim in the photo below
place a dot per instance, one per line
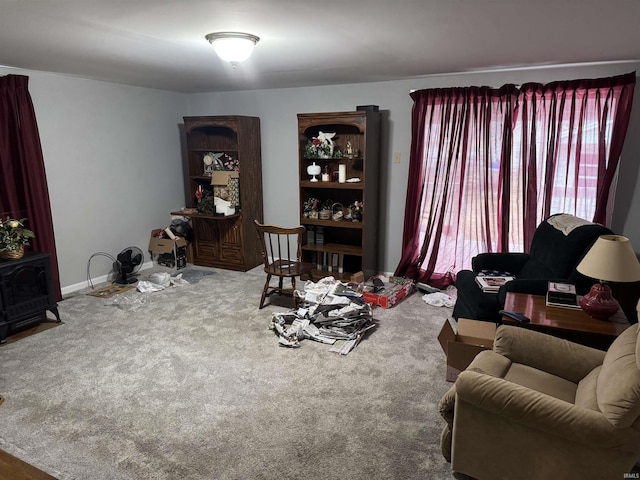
(96, 281)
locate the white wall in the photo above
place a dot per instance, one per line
(278, 111)
(112, 155)
(278, 108)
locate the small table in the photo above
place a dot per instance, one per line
(567, 323)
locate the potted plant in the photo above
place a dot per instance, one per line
(13, 237)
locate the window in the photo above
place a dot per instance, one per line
(488, 165)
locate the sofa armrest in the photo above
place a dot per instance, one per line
(557, 356)
(504, 262)
(538, 411)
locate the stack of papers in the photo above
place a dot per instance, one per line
(562, 295)
(330, 312)
(492, 283)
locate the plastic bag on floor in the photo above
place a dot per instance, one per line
(439, 299)
(160, 278)
(178, 280)
(145, 286)
(159, 281)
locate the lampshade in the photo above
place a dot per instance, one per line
(233, 47)
(611, 259)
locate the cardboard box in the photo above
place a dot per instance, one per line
(394, 291)
(461, 348)
(221, 177)
(358, 277)
(164, 251)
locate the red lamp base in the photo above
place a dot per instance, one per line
(599, 303)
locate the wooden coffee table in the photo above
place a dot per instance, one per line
(567, 323)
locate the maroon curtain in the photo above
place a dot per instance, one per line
(454, 178)
(415, 188)
(571, 135)
(488, 165)
(621, 90)
(23, 183)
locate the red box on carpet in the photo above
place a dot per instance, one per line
(395, 290)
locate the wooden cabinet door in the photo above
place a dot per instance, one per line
(230, 235)
(205, 245)
(218, 243)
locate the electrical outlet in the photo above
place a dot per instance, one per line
(396, 157)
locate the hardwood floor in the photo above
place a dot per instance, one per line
(12, 468)
(41, 327)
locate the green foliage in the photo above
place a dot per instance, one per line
(316, 148)
(13, 234)
(207, 206)
(309, 205)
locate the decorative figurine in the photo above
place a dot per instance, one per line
(327, 138)
(349, 149)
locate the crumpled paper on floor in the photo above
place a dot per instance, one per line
(329, 312)
(441, 299)
(159, 281)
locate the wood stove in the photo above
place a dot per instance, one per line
(26, 293)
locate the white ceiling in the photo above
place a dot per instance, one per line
(161, 44)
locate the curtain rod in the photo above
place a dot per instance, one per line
(517, 85)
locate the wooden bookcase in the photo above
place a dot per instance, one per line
(225, 241)
(351, 246)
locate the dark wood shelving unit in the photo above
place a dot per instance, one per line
(204, 215)
(333, 185)
(225, 241)
(355, 242)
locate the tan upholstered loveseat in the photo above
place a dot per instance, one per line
(538, 407)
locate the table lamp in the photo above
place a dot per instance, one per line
(610, 259)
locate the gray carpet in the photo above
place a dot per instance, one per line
(189, 383)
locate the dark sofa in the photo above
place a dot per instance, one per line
(553, 256)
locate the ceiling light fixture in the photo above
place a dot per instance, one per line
(233, 47)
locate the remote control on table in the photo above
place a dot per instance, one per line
(515, 315)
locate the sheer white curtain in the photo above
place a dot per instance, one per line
(488, 165)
